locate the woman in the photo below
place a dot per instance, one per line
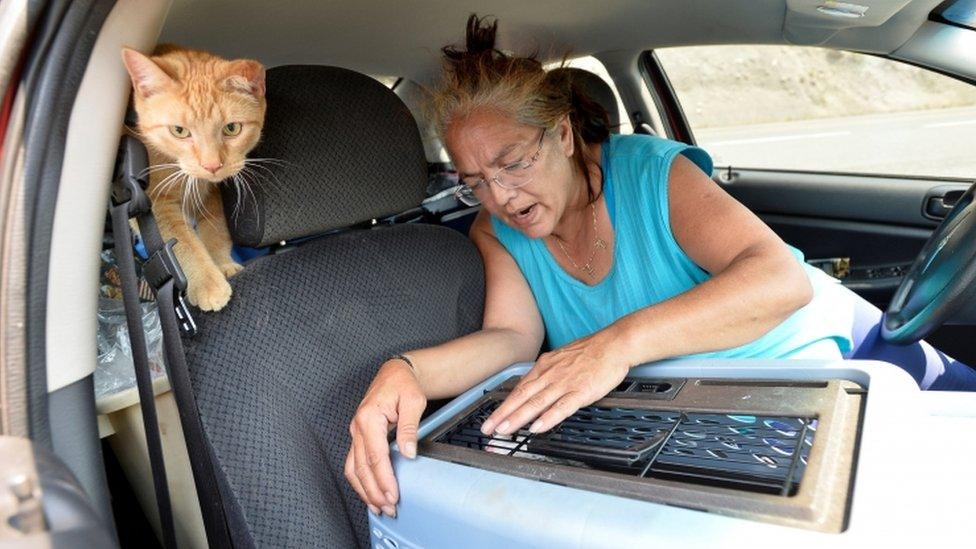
(616, 251)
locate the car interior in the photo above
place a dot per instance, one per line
(356, 249)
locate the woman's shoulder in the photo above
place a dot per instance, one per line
(639, 149)
(640, 145)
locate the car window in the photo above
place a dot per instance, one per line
(592, 64)
(816, 109)
(961, 13)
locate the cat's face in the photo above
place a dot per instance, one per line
(202, 112)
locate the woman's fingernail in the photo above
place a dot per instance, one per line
(391, 511)
(536, 427)
(410, 450)
(390, 498)
(374, 509)
(487, 428)
(503, 427)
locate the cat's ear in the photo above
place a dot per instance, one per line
(147, 77)
(245, 75)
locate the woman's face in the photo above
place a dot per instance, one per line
(486, 144)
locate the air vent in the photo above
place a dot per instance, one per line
(772, 450)
(744, 452)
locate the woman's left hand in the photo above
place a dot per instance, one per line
(561, 382)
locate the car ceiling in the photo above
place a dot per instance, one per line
(402, 38)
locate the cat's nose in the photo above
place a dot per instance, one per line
(212, 167)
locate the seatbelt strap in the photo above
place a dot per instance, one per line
(121, 212)
(164, 275)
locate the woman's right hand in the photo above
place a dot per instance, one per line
(393, 399)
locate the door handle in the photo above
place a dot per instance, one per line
(940, 200)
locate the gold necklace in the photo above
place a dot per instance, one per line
(598, 244)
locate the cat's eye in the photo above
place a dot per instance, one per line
(179, 132)
(232, 129)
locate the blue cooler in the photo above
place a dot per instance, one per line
(690, 452)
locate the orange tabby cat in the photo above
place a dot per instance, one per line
(199, 116)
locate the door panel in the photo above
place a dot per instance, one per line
(877, 252)
(879, 223)
(886, 200)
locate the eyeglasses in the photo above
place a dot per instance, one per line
(517, 174)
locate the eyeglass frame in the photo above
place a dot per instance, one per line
(464, 187)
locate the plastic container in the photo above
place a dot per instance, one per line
(445, 504)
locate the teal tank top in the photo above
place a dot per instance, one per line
(649, 266)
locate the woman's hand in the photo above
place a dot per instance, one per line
(394, 398)
(561, 382)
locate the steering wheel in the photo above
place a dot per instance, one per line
(939, 286)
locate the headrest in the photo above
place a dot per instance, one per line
(598, 90)
(338, 148)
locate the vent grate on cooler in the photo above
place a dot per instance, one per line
(761, 454)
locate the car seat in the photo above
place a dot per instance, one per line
(596, 89)
(280, 371)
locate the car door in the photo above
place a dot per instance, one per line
(851, 158)
(51, 479)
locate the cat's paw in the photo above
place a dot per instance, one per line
(211, 293)
(231, 268)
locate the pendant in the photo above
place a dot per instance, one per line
(588, 269)
(600, 244)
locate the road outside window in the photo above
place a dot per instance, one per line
(814, 109)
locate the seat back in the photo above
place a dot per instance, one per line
(598, 90)
(280, 371)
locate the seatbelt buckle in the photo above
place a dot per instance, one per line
(161, 267)
(187, 325)
(131, 179)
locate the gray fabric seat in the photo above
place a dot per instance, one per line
(598, 90)
(279, 373)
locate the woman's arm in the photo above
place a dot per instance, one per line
(756, 284)
(512, 329)
(512, 332)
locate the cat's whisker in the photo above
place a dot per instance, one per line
(237, 197)
(164, 185)
(235, 166)
(259, 177)
(190, 207)
(272, 161)
(246, 184)
(254, 179)
(196, 194)
(265, 170)
(158, 167)
(176, 180)
(186, 206)
(274, 180)
(172, 175)
(175, 171)
(265, 175)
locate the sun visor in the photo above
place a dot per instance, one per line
(813, 22)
